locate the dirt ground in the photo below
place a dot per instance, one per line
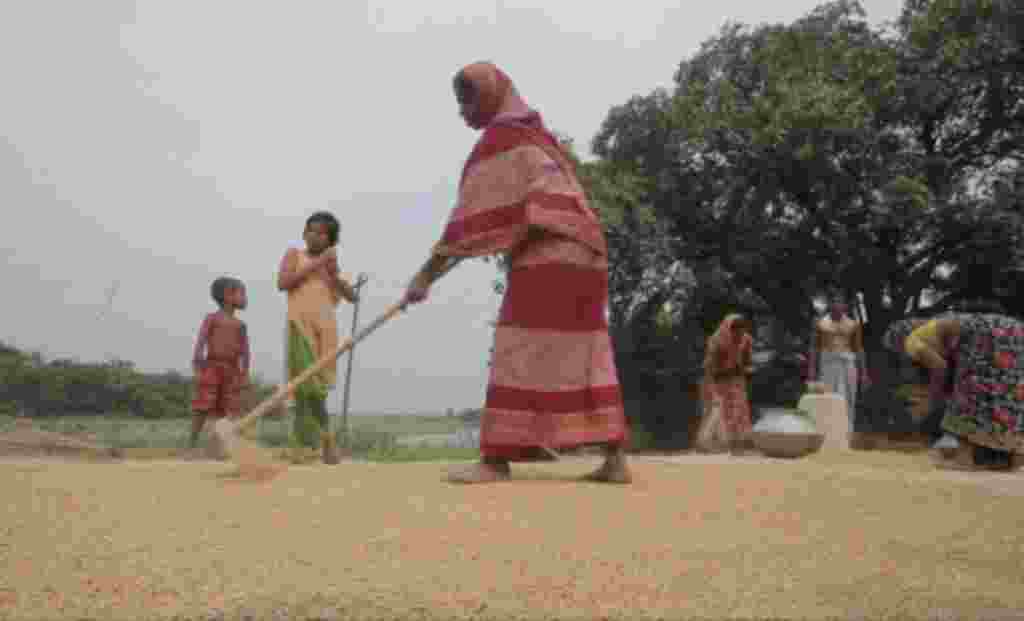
(850, 535)
(27, 441)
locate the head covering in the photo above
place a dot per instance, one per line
(478, 225)
(724, 343)
(494, 93)
(500, 106)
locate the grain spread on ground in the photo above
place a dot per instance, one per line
(879, 534)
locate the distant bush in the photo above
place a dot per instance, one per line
(640, 439)
(777, 385)
(64, 387)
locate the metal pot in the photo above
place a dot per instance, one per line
(784, 433)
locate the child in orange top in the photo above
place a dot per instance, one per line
(221, 358)
(309, 276)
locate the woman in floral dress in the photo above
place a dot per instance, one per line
(984, 418)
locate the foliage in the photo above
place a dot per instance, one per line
(168, 436)
(794, 156)
(777, 384)
(641, 439)
(793, 159)
(37, 387)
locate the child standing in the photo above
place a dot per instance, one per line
(310, 278)
(221, 358)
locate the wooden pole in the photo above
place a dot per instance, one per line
(360, 281)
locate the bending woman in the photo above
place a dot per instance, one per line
(984, 419)
(553, 381)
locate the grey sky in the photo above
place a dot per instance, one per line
(162, 144)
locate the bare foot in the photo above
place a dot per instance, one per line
(480, 472)
(613, 470)
(329, 450)
(959, 458)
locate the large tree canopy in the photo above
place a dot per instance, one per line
(794, 159)
(830, 154)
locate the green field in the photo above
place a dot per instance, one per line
(406, 424)
(373, 437)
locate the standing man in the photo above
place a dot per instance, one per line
(837, 354)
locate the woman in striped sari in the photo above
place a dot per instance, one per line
(727, 368)
(553, 381)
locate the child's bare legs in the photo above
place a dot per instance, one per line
(328, 447)
(307, 422)
(320, 413)
(198, 422)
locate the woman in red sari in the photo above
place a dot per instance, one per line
(553, 381)
(727, 367)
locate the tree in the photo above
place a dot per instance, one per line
(781, 157)
(792, 159)
(69, 387)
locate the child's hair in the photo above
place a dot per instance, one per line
(328, 219)
(220, 287)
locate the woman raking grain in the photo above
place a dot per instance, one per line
(553, 380)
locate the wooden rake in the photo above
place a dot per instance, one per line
(255, 462)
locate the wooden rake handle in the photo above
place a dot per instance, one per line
(282, 393)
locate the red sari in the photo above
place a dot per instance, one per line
(725, 383)
(553, 380)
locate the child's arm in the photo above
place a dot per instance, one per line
(245, 359)
(199, 353)
(340, 287)
(347, 291)
(288, 277)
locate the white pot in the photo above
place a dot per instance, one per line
(784, 433)
(783, 421)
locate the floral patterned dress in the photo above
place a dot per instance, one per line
(987, 408)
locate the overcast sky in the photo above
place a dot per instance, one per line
(161, 144)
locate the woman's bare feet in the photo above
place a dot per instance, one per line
(613, 470)
(484, 471)
(959, 457)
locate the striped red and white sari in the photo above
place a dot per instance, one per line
(553, 380)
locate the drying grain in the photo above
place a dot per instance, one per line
(877, 535)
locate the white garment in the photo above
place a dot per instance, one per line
(839, 372)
